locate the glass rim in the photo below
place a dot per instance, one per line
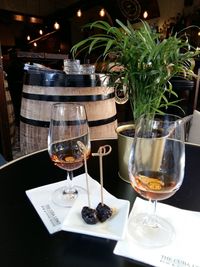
(67, 104)
(153, 115)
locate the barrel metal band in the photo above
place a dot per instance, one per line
(66, 98)
(46, 123)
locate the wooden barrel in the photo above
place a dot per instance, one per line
(11, 113)
(42, 88)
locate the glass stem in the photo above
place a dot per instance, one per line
(69, 184)
(152, 213)
(154, 203)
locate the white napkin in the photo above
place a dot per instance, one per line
(184, 249)
(51, 214)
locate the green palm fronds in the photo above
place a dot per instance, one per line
(147, 62)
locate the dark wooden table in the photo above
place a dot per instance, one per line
(24, 240)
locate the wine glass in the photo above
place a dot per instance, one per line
(156, 171)
(68, 146)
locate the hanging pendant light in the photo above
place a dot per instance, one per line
(79, 13)
(102, 12)
(145, 14)
(56, 26)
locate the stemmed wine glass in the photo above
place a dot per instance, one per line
(156, 171)
(68, 129)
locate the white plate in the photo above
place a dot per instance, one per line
(113, 228)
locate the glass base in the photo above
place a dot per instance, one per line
(65, 197)
(151, 231)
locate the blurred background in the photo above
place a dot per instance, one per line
(54, 26)
(43, 32)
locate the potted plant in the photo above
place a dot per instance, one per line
(140, 64)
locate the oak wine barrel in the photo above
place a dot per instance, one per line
(43, 87)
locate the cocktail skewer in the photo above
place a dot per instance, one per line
(87, 182)
(102, 151)
(84, 151)
(102, 211)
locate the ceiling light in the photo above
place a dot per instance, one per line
(145, 14)
(40, 32)
(79, 13)
(18, 17)
(35, 44)
(102, 12)
(35, 20)
(28, 38)
(56, 26)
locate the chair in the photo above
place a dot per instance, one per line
(187, 92)
(2, 160)
(192, 127)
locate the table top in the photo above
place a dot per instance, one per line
(25, 241)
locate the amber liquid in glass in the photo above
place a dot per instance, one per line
(154, 185)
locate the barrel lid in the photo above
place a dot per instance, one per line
(58, 78)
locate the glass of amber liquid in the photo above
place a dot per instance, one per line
(156, 171)
(68, 146)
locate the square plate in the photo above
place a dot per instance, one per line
(113, 228)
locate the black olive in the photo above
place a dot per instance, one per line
(103, 212)
(89, 215)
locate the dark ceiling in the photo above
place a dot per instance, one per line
(129, 9)
(63, 12)
(36, 7)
